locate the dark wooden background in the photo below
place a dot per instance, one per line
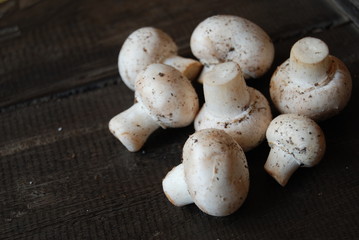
(64, 176)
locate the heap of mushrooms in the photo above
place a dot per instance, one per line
(310, 86)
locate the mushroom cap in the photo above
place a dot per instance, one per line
(311, 82)
(298, 136)
(223, 38)
(216, 172)
(167, 96)
(142, 47)
(316, 102)
(248, 127)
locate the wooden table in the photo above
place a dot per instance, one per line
(64, 176)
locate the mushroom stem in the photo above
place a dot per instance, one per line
(190, 68)
(206, 68)
(132, 127)
(281, 165)
(309, 61)
(175, 187)
(225, 90)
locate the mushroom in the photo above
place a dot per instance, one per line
(295, 141)
(311, 82)
(214, 174)
(164, 98)
(224, 38)
(241, 111)
(149, 45)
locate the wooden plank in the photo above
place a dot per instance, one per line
(63, 175)
(351, 9)
(53, 46)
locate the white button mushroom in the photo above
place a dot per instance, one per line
(311, 82)
(241, 111)
(149, 45)
(224, 38)
(295, 141)
(164, 97)
(214, 174)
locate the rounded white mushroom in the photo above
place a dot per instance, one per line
(164, 97)
(311, 82)
(241, 111)
(149, 45)
(214, 174)
(224, 38)
(295, 141)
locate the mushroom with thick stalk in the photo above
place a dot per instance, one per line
(295, 141)
(164, 97)
(149, 45)
(243, 112)
(214, 174)
(311, 82)
(224, 38)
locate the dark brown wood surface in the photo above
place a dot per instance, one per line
(64, 176)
